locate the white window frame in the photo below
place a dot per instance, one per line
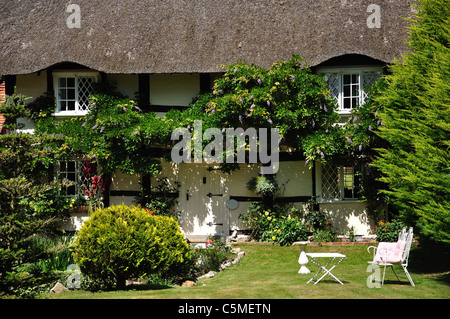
(340, 72)
(68, 74)
(78, 173)
(63, 173)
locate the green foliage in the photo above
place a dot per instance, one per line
(122, 242)
(324, 235)
(161, 200)
(415, 113)
(26, 209)
(320, 225)
(388, 231)
(30, 202)
(315, 220)
(58, 251)
(13, 107)
(287, 96)
(115, 134)
(29, 155)
(209, 258)
(273, 226)
(263, 185)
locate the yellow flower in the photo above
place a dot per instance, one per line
(273, 237)
(269, 218)
(266, 213)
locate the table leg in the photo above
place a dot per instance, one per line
(325, 270)
(318, 265)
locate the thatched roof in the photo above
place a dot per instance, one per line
(172, 36)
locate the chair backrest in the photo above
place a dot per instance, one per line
(402, 234)
(408, 242)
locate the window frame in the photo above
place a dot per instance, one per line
(80, 178)
(341, 184)
(341, 71)
(71, 74)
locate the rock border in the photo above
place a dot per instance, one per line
(237, 250)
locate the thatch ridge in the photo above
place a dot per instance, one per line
(181, 36)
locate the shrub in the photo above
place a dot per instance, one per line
(210, 258)
(388, 231)
(267, 225)
(324, 235)
(122, 242)
(59, 252)
(315, 220)
(287, 230)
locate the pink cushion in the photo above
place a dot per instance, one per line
(390, 252)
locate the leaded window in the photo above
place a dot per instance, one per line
(339, 182)
(73, 91)
(349, 87)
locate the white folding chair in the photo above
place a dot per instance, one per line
(390, 254)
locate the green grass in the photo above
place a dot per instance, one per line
(270, 272)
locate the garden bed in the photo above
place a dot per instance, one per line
(315, 244)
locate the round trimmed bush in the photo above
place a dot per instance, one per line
(121, 242)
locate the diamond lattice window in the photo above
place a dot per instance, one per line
(85, 88)
(349, 87)
(368, 79)
(339, 182)
(334, 84)
(330, 182)
(74, 172)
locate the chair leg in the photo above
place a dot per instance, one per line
(392, 267)
(384, 273)
(408, 275)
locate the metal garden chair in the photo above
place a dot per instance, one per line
(390, 254)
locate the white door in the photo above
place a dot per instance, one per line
(202, 200)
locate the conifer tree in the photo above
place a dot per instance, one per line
(415, 120)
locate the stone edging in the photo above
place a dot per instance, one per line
(240, 254)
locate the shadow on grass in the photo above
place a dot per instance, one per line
(431, 259)
(149, 286)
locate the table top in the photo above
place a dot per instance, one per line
(329, 255)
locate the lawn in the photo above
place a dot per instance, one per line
(270, 272)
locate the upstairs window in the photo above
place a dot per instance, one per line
(349, 86)
(72, 92)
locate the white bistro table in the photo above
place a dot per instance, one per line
(336, 258)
